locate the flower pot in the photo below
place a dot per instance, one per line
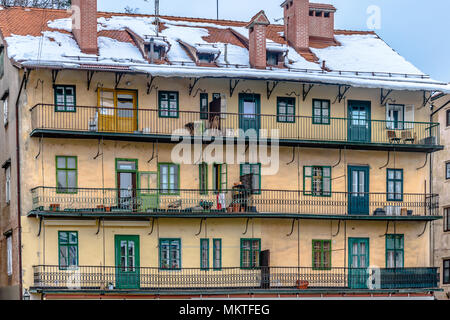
(302, 284)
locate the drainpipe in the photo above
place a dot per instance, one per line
(152, 50)
(19, 215)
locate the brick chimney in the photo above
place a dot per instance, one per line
(84, 25)
(296, 23)
(321, 21)
(257, 40)
(303, 20)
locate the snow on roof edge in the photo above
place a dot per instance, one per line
(254, 74)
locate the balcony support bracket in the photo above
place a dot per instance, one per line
(54, 76)
(150, 85)
(426, 161)
(153, 226)
(90, 75)
(118, 77)
(424, 229)
(387, 229)
(246, 226)
(388, 160)
(26, 77)
(201, 224)
(306, 89)
(40, 225)
(41, 138)
(384, 96)
(98, 226)
(338, 230)
(192, 86)
(293, 156)
(98, 149)
(426, 99)
(292, 227)
(342, 90)
(271, 88)
(233, 85)
(340, 159)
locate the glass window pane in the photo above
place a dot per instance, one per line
(61, 162)
(63, 237)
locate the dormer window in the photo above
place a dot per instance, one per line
(155, 48)
(205, 57)
(273, 58)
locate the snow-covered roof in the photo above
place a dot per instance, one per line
(359, 59)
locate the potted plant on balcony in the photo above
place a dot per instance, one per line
(302, 284)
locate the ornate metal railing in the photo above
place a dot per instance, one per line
(193, 201)
(150, 122)
(192, 279)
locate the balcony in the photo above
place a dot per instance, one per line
(192, 280)
(147, 125)
(144, 203)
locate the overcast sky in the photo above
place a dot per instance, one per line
(417, 29)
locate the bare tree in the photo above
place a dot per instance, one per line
(55, 4)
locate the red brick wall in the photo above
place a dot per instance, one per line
(321, 26)
(257, 46)
(296, 23)
(84, 24)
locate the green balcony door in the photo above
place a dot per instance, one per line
(358, 190)
(148, 191)
(358, 262)
(127, 262)
(249, 112)
(359, 128)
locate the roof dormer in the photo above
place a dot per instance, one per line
(203, 54)
(153, 48)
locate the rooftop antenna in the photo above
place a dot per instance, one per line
(217, 6)
(157, 16)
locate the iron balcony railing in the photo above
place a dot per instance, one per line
(295, 128)
(192, 279)
(186, 201)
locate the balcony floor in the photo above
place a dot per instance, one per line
(139, 137)
(220, 215)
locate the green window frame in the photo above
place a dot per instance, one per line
(67, 249)
(204, 106)
(321, 254)
(394, 184)
(220, 177)
(203, 178)
(204, 254)
(168, 104)
(170, 253)
(169, 178)
(255, 168)
(286, 109)
(321, 111)
(250, 253)
(2, 61)
(395, 255)
(446, 271)
(217, 254)
(446, 219)
(65, 98)
(317, 181)
(66, 174)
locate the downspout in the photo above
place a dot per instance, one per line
(19, 215)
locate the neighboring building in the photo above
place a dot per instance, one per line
(103, 209)
(441, 185)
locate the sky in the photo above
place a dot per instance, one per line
(418, 30)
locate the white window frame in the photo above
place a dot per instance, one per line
(8, 184)
(9, 255)
(5, 110)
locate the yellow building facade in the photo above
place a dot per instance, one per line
(162, 179)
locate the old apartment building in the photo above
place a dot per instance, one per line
(95, 203)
